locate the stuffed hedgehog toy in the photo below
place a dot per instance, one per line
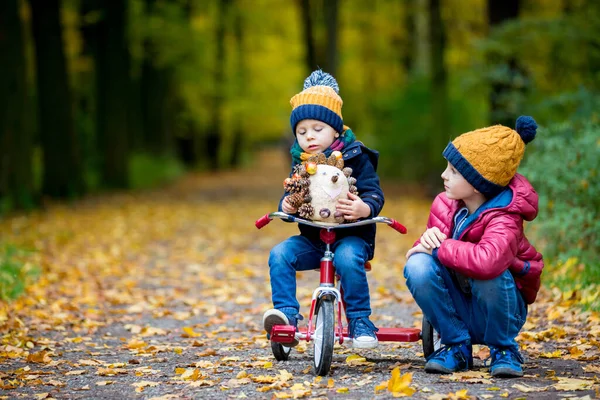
(316, 186)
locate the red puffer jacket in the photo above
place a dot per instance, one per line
(494, 241)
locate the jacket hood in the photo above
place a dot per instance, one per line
(525, 198)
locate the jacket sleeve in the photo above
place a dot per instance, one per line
(368, 185)
(488, 258)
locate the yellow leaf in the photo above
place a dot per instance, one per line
(382, 386)
(505, 394)
(330, 383)
(528, 389)
(189, 332)
(568, 384)
(343, 390)
(400, 383)
(554, 354)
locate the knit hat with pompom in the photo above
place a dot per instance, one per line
(318, 100)
(488, 158)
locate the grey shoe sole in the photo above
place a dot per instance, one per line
(506, 372)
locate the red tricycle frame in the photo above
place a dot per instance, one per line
(326, 298)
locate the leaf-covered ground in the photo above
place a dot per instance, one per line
(160, 295)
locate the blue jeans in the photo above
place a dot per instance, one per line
(297, 253)
(493, 314)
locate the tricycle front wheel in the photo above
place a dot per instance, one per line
(324, 336)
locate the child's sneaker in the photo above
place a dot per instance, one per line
(275, 317)
(506, 363)
(362, 331)
(450, 358)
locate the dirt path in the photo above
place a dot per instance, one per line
(161, 294)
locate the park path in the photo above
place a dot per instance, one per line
(160, 294)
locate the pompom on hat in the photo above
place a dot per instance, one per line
(318, 100)
(488, 158)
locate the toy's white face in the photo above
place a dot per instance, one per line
(327, 185)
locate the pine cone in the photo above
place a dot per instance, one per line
(293, 185)
(321, 159)
(353, 189)
(339, 164)
(296, 200)
(306, 211)
(304, 183)
(302, 171)
(347, 171)
(351, 181)
(331, 160)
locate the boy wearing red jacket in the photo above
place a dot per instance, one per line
(473, 272)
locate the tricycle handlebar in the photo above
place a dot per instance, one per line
(264, 220)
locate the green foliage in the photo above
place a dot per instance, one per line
(15, 273)
(146, 171)
(564, 169)
(404, 122)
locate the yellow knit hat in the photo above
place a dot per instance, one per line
(318, 100)
(488, 158)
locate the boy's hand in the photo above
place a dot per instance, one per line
(286, 207)
(432, 238)
(418, 249)
(353, 207)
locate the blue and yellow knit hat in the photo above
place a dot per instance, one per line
(318, 100)
(488, 158)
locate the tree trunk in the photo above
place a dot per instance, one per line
(409, 53)
(307, 30)
(238, 134)
(113, 90)
(331, 24)
(62, 175)
(186, 141)
(439, 92)
(213, 137)
(500, 11)
(16, 175)
(156, 84)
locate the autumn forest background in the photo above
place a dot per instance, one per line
(97, 96)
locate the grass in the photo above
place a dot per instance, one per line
(15, 273)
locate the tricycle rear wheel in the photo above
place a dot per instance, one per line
(280, 352)
(430, 337)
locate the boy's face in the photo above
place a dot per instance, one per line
(456, 186)
(315, 136)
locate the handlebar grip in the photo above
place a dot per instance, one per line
(398, 226)
(262, 221)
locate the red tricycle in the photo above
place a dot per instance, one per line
(325, 325)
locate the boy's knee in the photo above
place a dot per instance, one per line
(279, 253)
(420, 269)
